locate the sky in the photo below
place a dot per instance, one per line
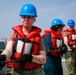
(47, 10)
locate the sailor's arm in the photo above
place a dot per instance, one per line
(8, 50)
(41, 58)
(65, 38)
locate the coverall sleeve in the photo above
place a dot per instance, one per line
(48, 46)
(47, 42)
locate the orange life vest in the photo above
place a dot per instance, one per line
(54, 38)
(34, 38)
(71, 37)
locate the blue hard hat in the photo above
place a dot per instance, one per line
(71, 22)
(57, 22)
(28, 10)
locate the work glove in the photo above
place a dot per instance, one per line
(52, 53)
(48, 52)
(24, 58)
(61, 50)
(2, 61)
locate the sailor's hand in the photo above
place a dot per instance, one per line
(2, 61)
(61, 50)
(69, 49)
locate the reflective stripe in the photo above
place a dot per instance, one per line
(27, 48)
(59, 42)
(73, 36)
(19, 46)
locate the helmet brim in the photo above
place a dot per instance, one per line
(28, 14)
